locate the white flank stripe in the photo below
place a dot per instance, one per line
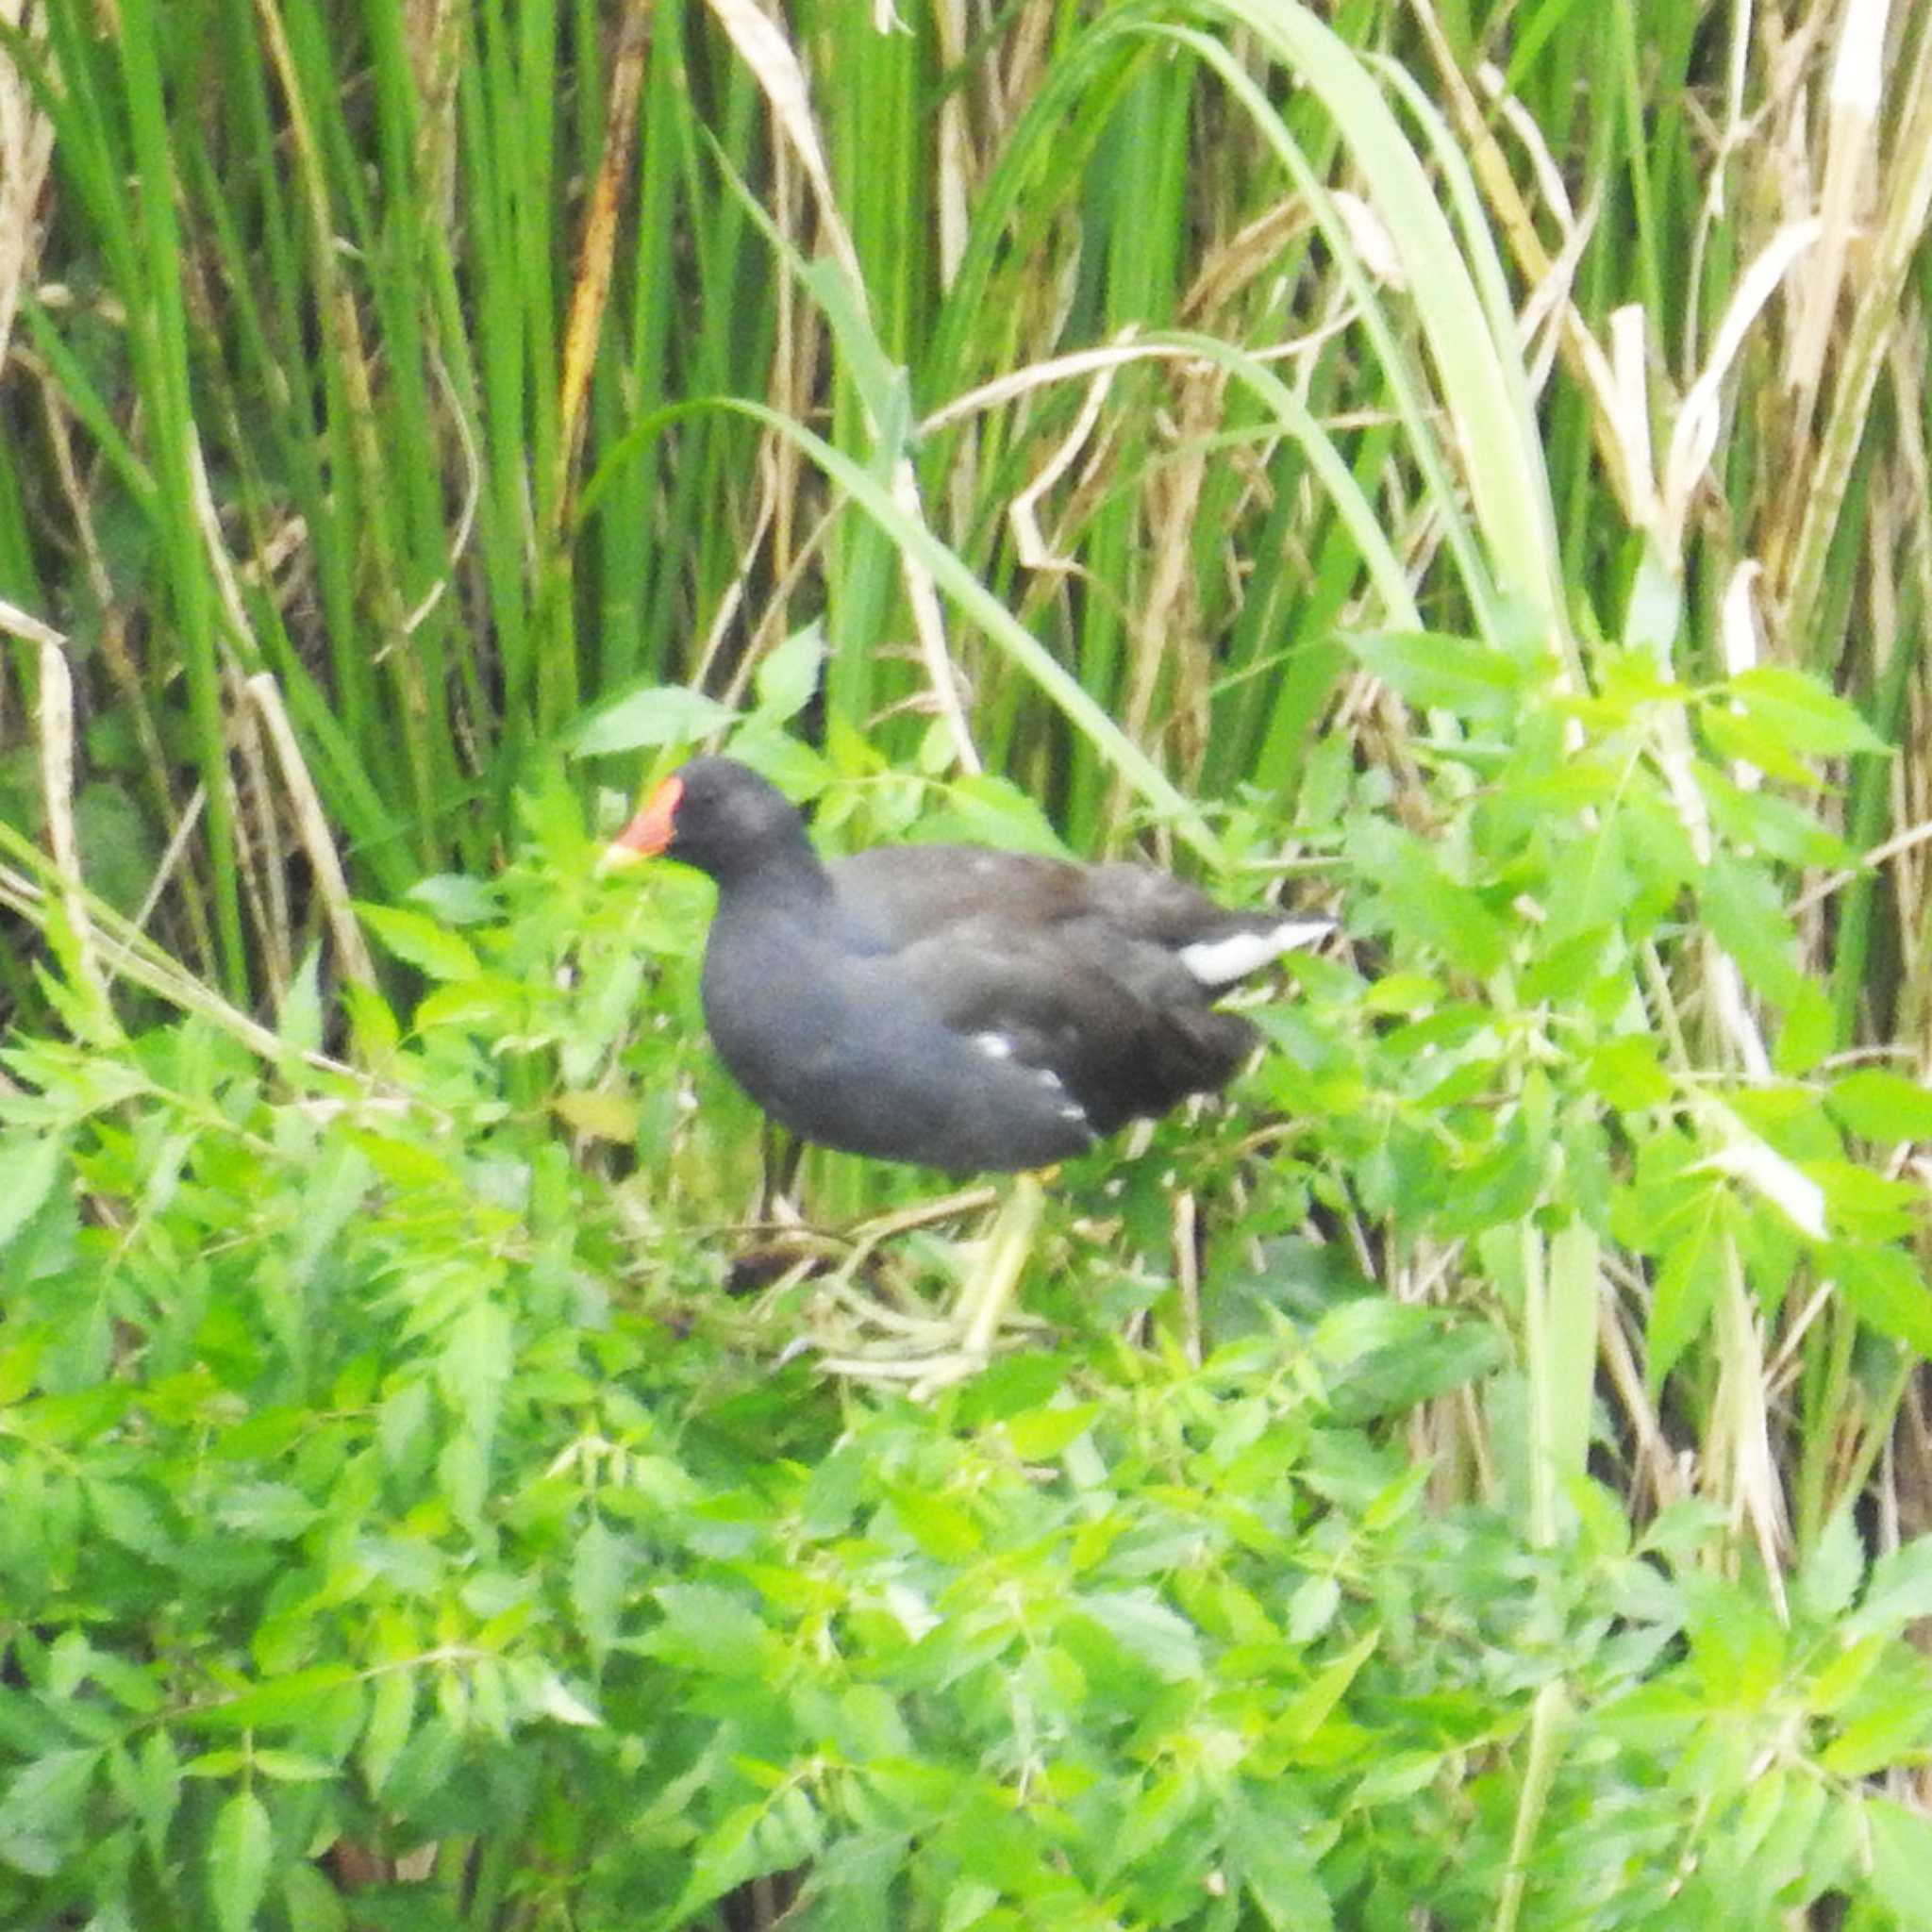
(1216, 962)
(995, 1047)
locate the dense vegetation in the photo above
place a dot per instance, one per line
(1462, 466)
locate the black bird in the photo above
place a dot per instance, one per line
(952, 1006)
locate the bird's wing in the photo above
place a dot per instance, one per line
(1030, 996)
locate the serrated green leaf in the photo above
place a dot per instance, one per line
(392, 1712)
(707, 1629)
(941, 1527)
(1436, 672)
(1746, 914)
(41, 1811)
(651, 718)
(1149, 1629)
(1313, 1609)
(1809, 1033)
(1831, 1573)
(372, 1022)
(1277, 1870)
(311, 1902)
(1042, 1434)
(1898, 1592)
(131, 1517)
(462, 1474)
(416, 940)
(292, 1767)
(1752, 740)
(298, 1018)
(1628, 1073)
(475, 1364)
(1901, 1842)
(456, 898)
(28, 1166)
(238, 1861)
(1801, 712)
(490, 1003)
(276, 1511)
(289, 1698)
(1881, 1106)
(551, 1697)
(599, 1574)
(1306, 1711)
(1424, 901)
(1884, 1287)
(789, 677)
(1687, 1281)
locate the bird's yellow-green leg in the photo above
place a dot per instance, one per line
(986, 1297)
(958, 1344)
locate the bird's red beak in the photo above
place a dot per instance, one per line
(649, 833)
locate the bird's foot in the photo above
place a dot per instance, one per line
(869, 1340)
(866, 1339)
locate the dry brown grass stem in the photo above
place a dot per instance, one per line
(26, 150)
(592, 295)
(313, 829)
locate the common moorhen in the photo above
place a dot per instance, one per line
(952, 1006)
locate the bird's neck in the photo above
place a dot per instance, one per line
(790, 875)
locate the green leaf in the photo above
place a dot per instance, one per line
(1730, 733)
(1831, 1573)
(28, 1165)
(456, 898)
(986, 810)
(1436, 672)
(1422, 902)
(128, 1515)
(1884, 1286)
(372, 1021)
(1801, 712)
(238, 1861)
(1687, 1281)
(1042, 1434)
(291, 1697)
(298, 1018)
(277, 1511)
(599, 1574)
(311, 1903)
(1809, 1030)
(1771, 820)
(462, 1474)
(1628, 1073)
(1313, 1609)
(391, 1711)
(42, 1813)
(787, 679)
(1898, 1593)
(1143, 1626)
(149, 1780)
(1746, 914)
(293, 1767)
(708, 1629)
(416, 940)
(1278, 1867)
(551, 1697)
(652, 717)
(1304, 1713)
(1901, 1842)
(940, 1526)
(475, 1364)
(1881, 1106)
